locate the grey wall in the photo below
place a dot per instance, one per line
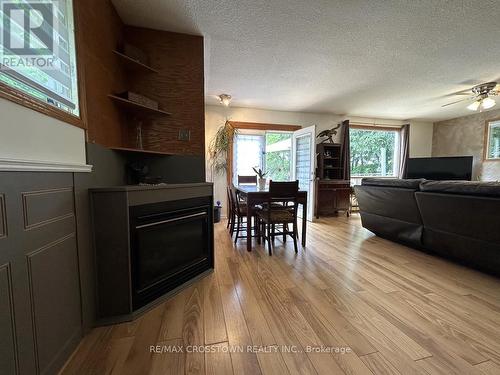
(465, 136)
(178, 169)
(47, 273)
(108, 170)
(40, 312)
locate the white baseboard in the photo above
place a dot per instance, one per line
(15, 165)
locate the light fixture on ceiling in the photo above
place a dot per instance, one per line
(225, 99)
(488, 103)
(481, 94)
(481, 103)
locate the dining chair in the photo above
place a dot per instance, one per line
(239, 218)
(247, 180)
(229, 207)
(281, 209)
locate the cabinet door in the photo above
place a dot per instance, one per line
(326, 200)
(342, 196)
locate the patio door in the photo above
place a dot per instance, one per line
(304, 164)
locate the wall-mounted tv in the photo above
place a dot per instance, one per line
(442, 168)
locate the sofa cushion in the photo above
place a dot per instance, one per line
(484, 189)
(393, 182)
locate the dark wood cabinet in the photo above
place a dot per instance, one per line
(332, 191)
(329, 161)
(332, 196)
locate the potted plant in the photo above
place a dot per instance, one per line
(218, 150)
(261, 175)
(217, 211)
(219, 147)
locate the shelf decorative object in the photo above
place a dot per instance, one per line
(329, 134)
(140, 99)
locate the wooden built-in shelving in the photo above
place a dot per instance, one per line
(329, 161)
(132, 64)
(130, 105)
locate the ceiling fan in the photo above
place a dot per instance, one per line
(481, 94)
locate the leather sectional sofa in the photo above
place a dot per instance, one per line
(459, 220)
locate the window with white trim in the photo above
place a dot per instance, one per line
(493, 141)
(271, 151)
(374, 152)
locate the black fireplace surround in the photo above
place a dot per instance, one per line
(149, 241)
(459, 220)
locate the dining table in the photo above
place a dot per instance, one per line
(255, 195)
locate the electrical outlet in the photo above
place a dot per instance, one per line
(184, 135)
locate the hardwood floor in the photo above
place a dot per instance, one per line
(393, 310)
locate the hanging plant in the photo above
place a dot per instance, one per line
(219, 146)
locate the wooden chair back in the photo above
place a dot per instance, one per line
(235, 201)
(283, 189)
(247, 180)
(284, 193)
(229, 201)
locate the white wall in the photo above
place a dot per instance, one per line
(215, 116)
(27, 135)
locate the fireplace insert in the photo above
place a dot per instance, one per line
(170, 244)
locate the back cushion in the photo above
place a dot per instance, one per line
(393, 182)
(464, 215)
(389, 202)
(484, 189)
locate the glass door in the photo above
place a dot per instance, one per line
(304, 164)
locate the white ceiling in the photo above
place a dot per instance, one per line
(374, 58)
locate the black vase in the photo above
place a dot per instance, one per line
(217, 210)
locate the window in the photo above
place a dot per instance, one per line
(267, 150)
(38, 57)
(248, 154)
(374, 152)
(493, 140)
(278, 156)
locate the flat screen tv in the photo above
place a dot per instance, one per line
(443, 168)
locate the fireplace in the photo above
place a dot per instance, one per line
(170, 243)
(149, 241)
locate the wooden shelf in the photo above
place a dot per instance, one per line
(140, 150)
(125, 103)
(330, 144)
(132, 64)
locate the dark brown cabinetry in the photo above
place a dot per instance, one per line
(332, 196)
(332, 191)
(329, 161)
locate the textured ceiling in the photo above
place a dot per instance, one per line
(375, 58)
